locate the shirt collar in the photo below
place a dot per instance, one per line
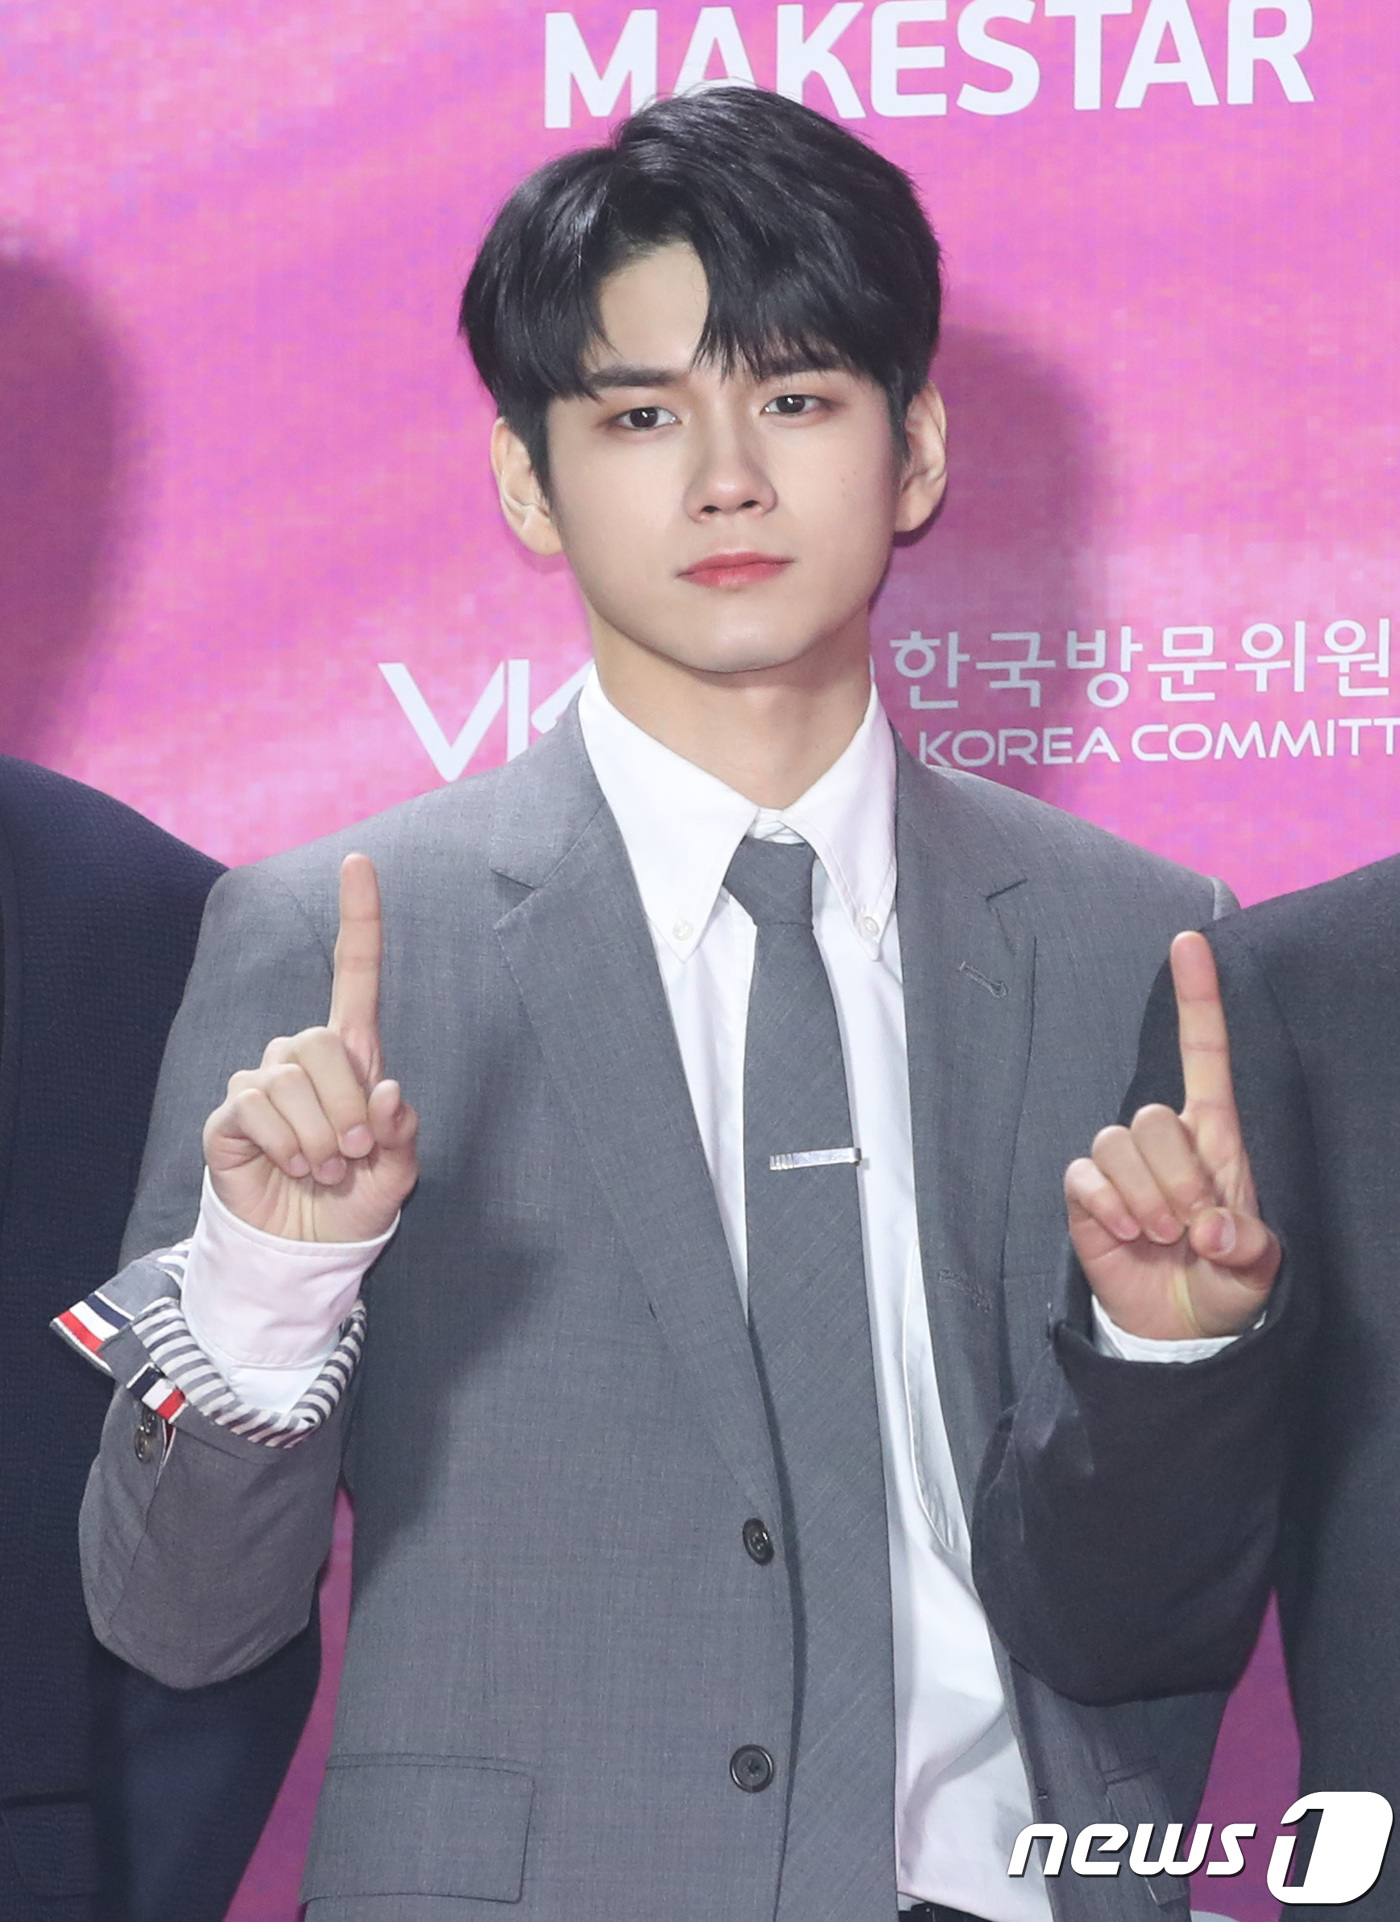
(681, 825)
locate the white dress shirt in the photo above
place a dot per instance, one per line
(961, 1793)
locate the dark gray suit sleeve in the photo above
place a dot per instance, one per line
(199, 1565)
(1127, 1513)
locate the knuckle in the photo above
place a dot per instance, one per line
(346, 1106)
(246, 1107)
(1188, 1195)
(308, 1045)
(328, 1058)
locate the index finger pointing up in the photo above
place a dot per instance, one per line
(358, 946)
(1205, 1042)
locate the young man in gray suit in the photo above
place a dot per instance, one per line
(744, 1057)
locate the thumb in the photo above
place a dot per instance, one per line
(1236, 1241)
(393, 1122)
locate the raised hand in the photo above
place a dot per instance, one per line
(315, 1145)
(1163, 1214)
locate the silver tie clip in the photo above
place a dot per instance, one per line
(814, 1158)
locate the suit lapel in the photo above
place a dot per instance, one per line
(968, 984)
(580, 953)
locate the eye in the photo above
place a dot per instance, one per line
(793, 406)
(641, 420)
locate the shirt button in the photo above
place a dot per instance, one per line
(869, 926)
(758, 1541)
(751, 1768)
(682, 930)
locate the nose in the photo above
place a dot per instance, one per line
(729, 475)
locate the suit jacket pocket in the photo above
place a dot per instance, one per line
(420, 1825)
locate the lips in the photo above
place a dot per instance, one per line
(738, 569)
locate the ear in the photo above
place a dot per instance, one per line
(926, 465)
(523, 500)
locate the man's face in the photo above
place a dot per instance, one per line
(728, 524)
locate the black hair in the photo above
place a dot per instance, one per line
(814, 247)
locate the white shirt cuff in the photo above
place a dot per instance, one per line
(268, 1311)
(1110, 1339)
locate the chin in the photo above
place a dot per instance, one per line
(745, 645)
(745, 653)
(755, 660)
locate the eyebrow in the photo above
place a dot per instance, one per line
(623, 374)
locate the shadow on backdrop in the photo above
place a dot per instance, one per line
(62, 465)
(1011, 551)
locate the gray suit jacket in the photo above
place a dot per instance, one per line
(558, 1640)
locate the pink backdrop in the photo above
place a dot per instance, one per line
(242, 469)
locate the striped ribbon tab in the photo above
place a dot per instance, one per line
(91, 1322)
(151, 1387)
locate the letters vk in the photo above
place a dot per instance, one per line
(508, 689)
(1347, 1853)
(903, 59)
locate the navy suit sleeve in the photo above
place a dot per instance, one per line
(120, 1800)
(1127, 1513)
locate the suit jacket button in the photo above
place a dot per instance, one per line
(758, 1541)
(751, 1768)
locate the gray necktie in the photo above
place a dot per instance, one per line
(811, 1337)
